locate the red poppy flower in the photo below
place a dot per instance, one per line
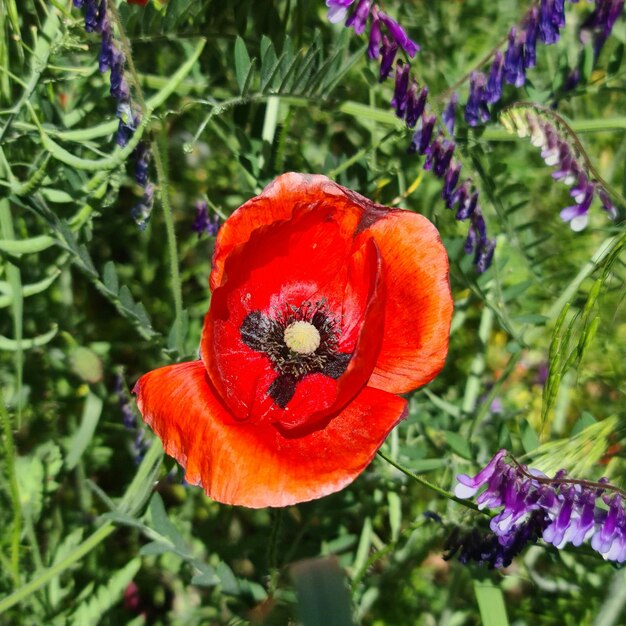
(141, 2)
(325, 306)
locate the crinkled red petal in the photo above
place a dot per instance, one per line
(418, 302)
(278, 201)
(254, 465)
(307, 258)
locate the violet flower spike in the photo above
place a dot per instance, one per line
(565, 512)
(548, 22)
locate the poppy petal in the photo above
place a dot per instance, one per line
(255, 465)
(288, 264)
(277, 202)
(418, 302)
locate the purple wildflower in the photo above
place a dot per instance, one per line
(121, 391)
(422, 135)
(388, 51)
(337, 10)
(203, 223)
(142, 161)
(571, 168)
(493, 89)
(128, 123)
(513, 68)
(358, 19)
(386, 37)
(486, 549)
(399, 99)
(398, 34)
(415, 104)
(568, 508)
(142, 210)
(449, 113)
(449, 184)
(607, 205)
(92, 16)
(476, 110)
(111, 58)
(468, 201)
(549, 20)
(376, 35)
(119, 86)
(601, 21)
(531, 28)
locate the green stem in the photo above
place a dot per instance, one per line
(172, 247)
(356, 109)
(472, 387)
(162, 177)
(273, 549)
(9, 446)
(427, 483)
(607, 124)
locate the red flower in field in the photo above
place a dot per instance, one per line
(325, 306)
(141, 2)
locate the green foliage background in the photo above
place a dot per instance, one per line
(240, 92)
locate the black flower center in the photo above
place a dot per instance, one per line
(298, 340)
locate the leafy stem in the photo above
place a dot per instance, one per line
(426, 483)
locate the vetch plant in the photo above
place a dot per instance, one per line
(560, 148)
(561, 509)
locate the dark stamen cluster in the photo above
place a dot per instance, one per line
(267, 335)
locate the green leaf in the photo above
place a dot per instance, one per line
(322, 593)
(395, 514)
(13, 345)
(17, 247)
(490, 604)
(242, 63)
(110, 278)
(530, 440)
(57, 196)
(58, 588)
(141, 486)
(226, 578)
(30, 478)
(459, 444)
(27, 290)
(155, 548)
(92, 410)
(205, 579)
